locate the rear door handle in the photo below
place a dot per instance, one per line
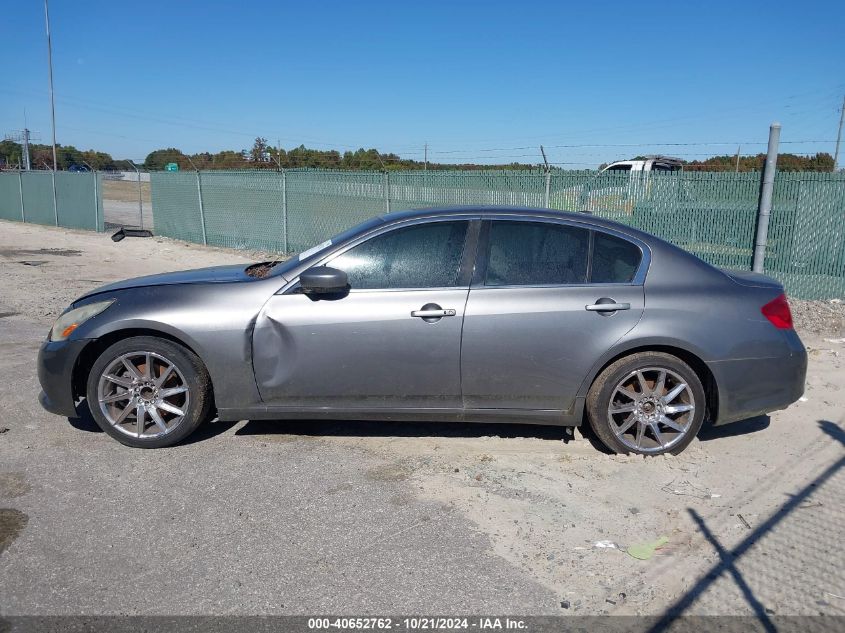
(607, 307)
(433, 314)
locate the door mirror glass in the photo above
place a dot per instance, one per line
(323, 280)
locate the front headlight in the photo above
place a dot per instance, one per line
(72, 319)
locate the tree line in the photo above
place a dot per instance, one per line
(786, 162)
(264, 156)
(41, 157)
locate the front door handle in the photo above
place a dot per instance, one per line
(433, 314)
(607, 307)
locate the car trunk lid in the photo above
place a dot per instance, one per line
(751, 279)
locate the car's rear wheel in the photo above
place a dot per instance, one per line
(648, 403)
(148, 392)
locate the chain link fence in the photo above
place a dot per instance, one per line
(27, 196)
(711, 214)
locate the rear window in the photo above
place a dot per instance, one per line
(614, 260)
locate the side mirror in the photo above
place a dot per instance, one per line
(323, 280)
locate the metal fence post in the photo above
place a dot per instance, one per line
(202, 210)
(764, 210)
(55, 199)
(386, 192)
(548, 188)
(285, 210)
(140, 197)
(548, 173)
(96, 202)
(140, 203)
(96, 196)
(20, 190)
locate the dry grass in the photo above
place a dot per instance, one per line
(125, 191)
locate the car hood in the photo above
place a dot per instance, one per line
(212, 275)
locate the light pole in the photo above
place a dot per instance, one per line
(52, 108)
(50, 68)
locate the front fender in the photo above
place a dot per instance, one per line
(214, 320)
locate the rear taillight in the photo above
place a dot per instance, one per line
(778, 313)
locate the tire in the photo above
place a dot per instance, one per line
(631, 412)
(174, 398)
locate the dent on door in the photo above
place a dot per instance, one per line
(368, 349)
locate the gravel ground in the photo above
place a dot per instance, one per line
(345, 517)
(825, 318)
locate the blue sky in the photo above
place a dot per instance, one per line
(478, 81)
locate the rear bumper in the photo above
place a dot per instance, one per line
(751, 387)
(56, 361)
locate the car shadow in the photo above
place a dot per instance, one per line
(207, 430)
(84, 421)
(741, 427)
(356, 428)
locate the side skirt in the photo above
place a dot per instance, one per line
(503, 416)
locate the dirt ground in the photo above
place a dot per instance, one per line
(507, 518)
(120, 203)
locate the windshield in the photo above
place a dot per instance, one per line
(280, 268)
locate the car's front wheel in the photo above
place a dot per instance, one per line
(148, 392)
(648, 403)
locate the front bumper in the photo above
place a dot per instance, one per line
(754, 386)
(56, 362)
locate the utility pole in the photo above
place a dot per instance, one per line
(738, 150)
(23, 137)
(52, 109)
(839, 135)
(50, 67)
(425, 154)
(25, 145)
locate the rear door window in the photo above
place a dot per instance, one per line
(614, 260)
(536, 253)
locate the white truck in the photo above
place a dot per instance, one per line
(649, 163)
(619, 186)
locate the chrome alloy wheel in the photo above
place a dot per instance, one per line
(651, 409)
(143, 395)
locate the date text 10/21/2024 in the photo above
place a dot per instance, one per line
(416, 623)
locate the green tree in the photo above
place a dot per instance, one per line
(157, 159)
(259, 153)
(11, 153)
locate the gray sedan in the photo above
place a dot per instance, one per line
(468, 315)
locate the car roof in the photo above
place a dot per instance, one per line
(584, 218)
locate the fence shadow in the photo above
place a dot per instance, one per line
(728, 558)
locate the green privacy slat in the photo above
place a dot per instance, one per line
(711, 214)
(75, 198)
(10, 198)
